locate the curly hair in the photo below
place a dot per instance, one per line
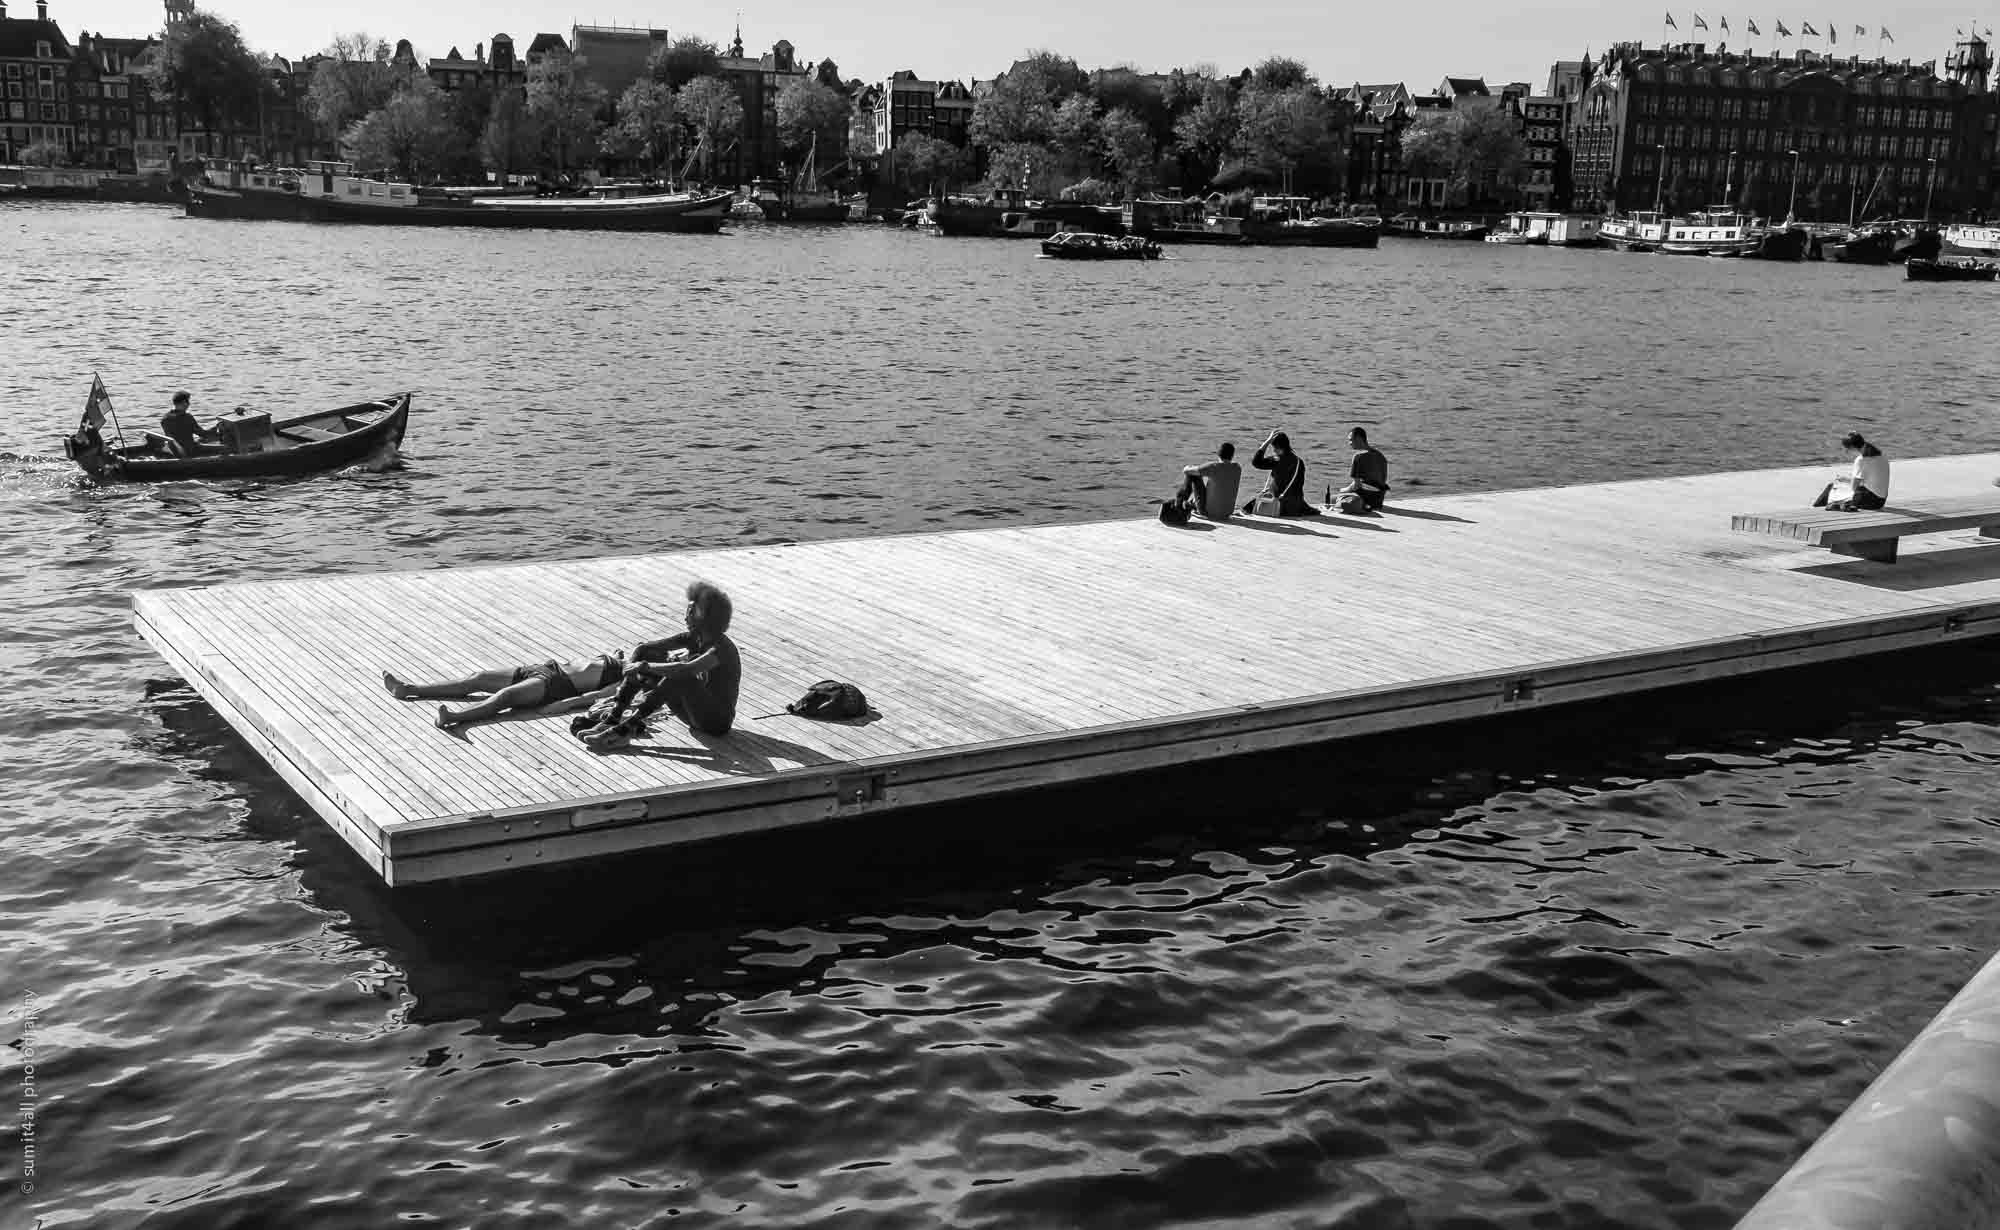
(715, 607)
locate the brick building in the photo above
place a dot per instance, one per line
(1375, 141)
(36, 63)
(755, 153)
(908, 103)
(613, 57)
(1819, 135)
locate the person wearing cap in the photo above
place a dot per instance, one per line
(1287, 483)
(1868, 483)
(184, 432)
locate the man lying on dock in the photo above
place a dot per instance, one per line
(696, 674)
(546, 685)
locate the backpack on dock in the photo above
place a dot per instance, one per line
(832, 700)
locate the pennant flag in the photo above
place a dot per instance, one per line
(1699, 24)
(1887, 35)
(1805, 27)
(1861, 31)
(1725, 25)
(99, 403)
(1753, 25)
(1670, 22)
(1960, 31)
(1782, 32)
(1832, 33)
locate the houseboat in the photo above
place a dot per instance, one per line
(1165, 220)
(331, 192)
(1978, 242)
(1015, 217)
(1713, 232)
(1415, 226)
(1518, 230)
(1641, 231)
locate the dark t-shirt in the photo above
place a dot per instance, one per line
(181, 427)
(1371, 467)
(710, 685)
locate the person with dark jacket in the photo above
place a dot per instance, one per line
(1288, 477)
(183, 430)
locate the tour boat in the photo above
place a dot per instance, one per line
(330, 192)
(1713, 232)
(254, 444)
(1089, 246)
(1921, 269)
(1641, 231)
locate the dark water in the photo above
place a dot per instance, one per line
(1612, 968)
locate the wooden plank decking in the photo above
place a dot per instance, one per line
(1004, 659)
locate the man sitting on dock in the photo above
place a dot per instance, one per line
(546, 685)
(1210, 488)
(1368, 477)
(696, 674)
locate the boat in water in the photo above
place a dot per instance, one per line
(1015, 217)
(1949, 269)
(330, 192)
(1868, 245)
(802, 199)
(1290, 222)
(1980, 241)
(254, 444)
(1780, 243)
(1090, 246)
(1181, 221)
(1640, 231)
(1919, 241)
(1711, 232)
(1416, 226)
(1515, 230)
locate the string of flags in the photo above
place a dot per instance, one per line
(1806, 30)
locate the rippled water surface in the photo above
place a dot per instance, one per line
(1613, 968)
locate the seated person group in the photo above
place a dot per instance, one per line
(695, 675)
(1210, 488)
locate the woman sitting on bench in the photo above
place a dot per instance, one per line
(1868, 485)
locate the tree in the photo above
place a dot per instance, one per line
(1073, 135)
(647, 123)
(203, 65)
(809, 108)
(713, 112)
(924, 163)
(683, 60)
(353, 79)
(410, 134)
(1291, 131)
(1129, 148)
(1020, 109)
(1205, 133)
(1469, 148)
(1281, 73)
(507, 144)
(562, 107)
(466, 111)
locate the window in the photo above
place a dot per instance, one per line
(48, 111)
(13, 70)
(13, 89)
(43, 51)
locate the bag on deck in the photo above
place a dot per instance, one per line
(1173, 512)
(832, 699)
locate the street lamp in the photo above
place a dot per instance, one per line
(1659, 176)
(1929, 189)
(1791, 206)
(1729, 177)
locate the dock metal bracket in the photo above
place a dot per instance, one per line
(855, 789)
(1517, 691)
(1954, 624)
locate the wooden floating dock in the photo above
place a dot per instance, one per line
(1007, 659)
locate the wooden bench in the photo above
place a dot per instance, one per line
(1873, 535)
(310, 435)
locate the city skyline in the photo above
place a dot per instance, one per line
(1451, 38)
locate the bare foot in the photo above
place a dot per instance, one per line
(446, 719)
(397, 688)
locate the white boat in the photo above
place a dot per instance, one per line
(1980, 242)
(1635, 232)
(1520, 230)
(1712, 232)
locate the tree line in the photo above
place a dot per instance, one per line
(1046, 125)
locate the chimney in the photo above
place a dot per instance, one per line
(41, 10)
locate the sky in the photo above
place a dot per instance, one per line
(1417, 44)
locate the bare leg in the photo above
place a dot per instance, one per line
(471, 685)
(523, 695)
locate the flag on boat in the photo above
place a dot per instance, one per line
(1725, 24)
(1805, 27)
(1670, 21)
(1832, 33)
(1861, 31)
(1699, 24)
(1887, 35)
(1753, 25)
(99, 404)
(1782, 32)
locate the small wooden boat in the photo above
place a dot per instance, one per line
(255, 445)
(1921, 269)
(1086, 246)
